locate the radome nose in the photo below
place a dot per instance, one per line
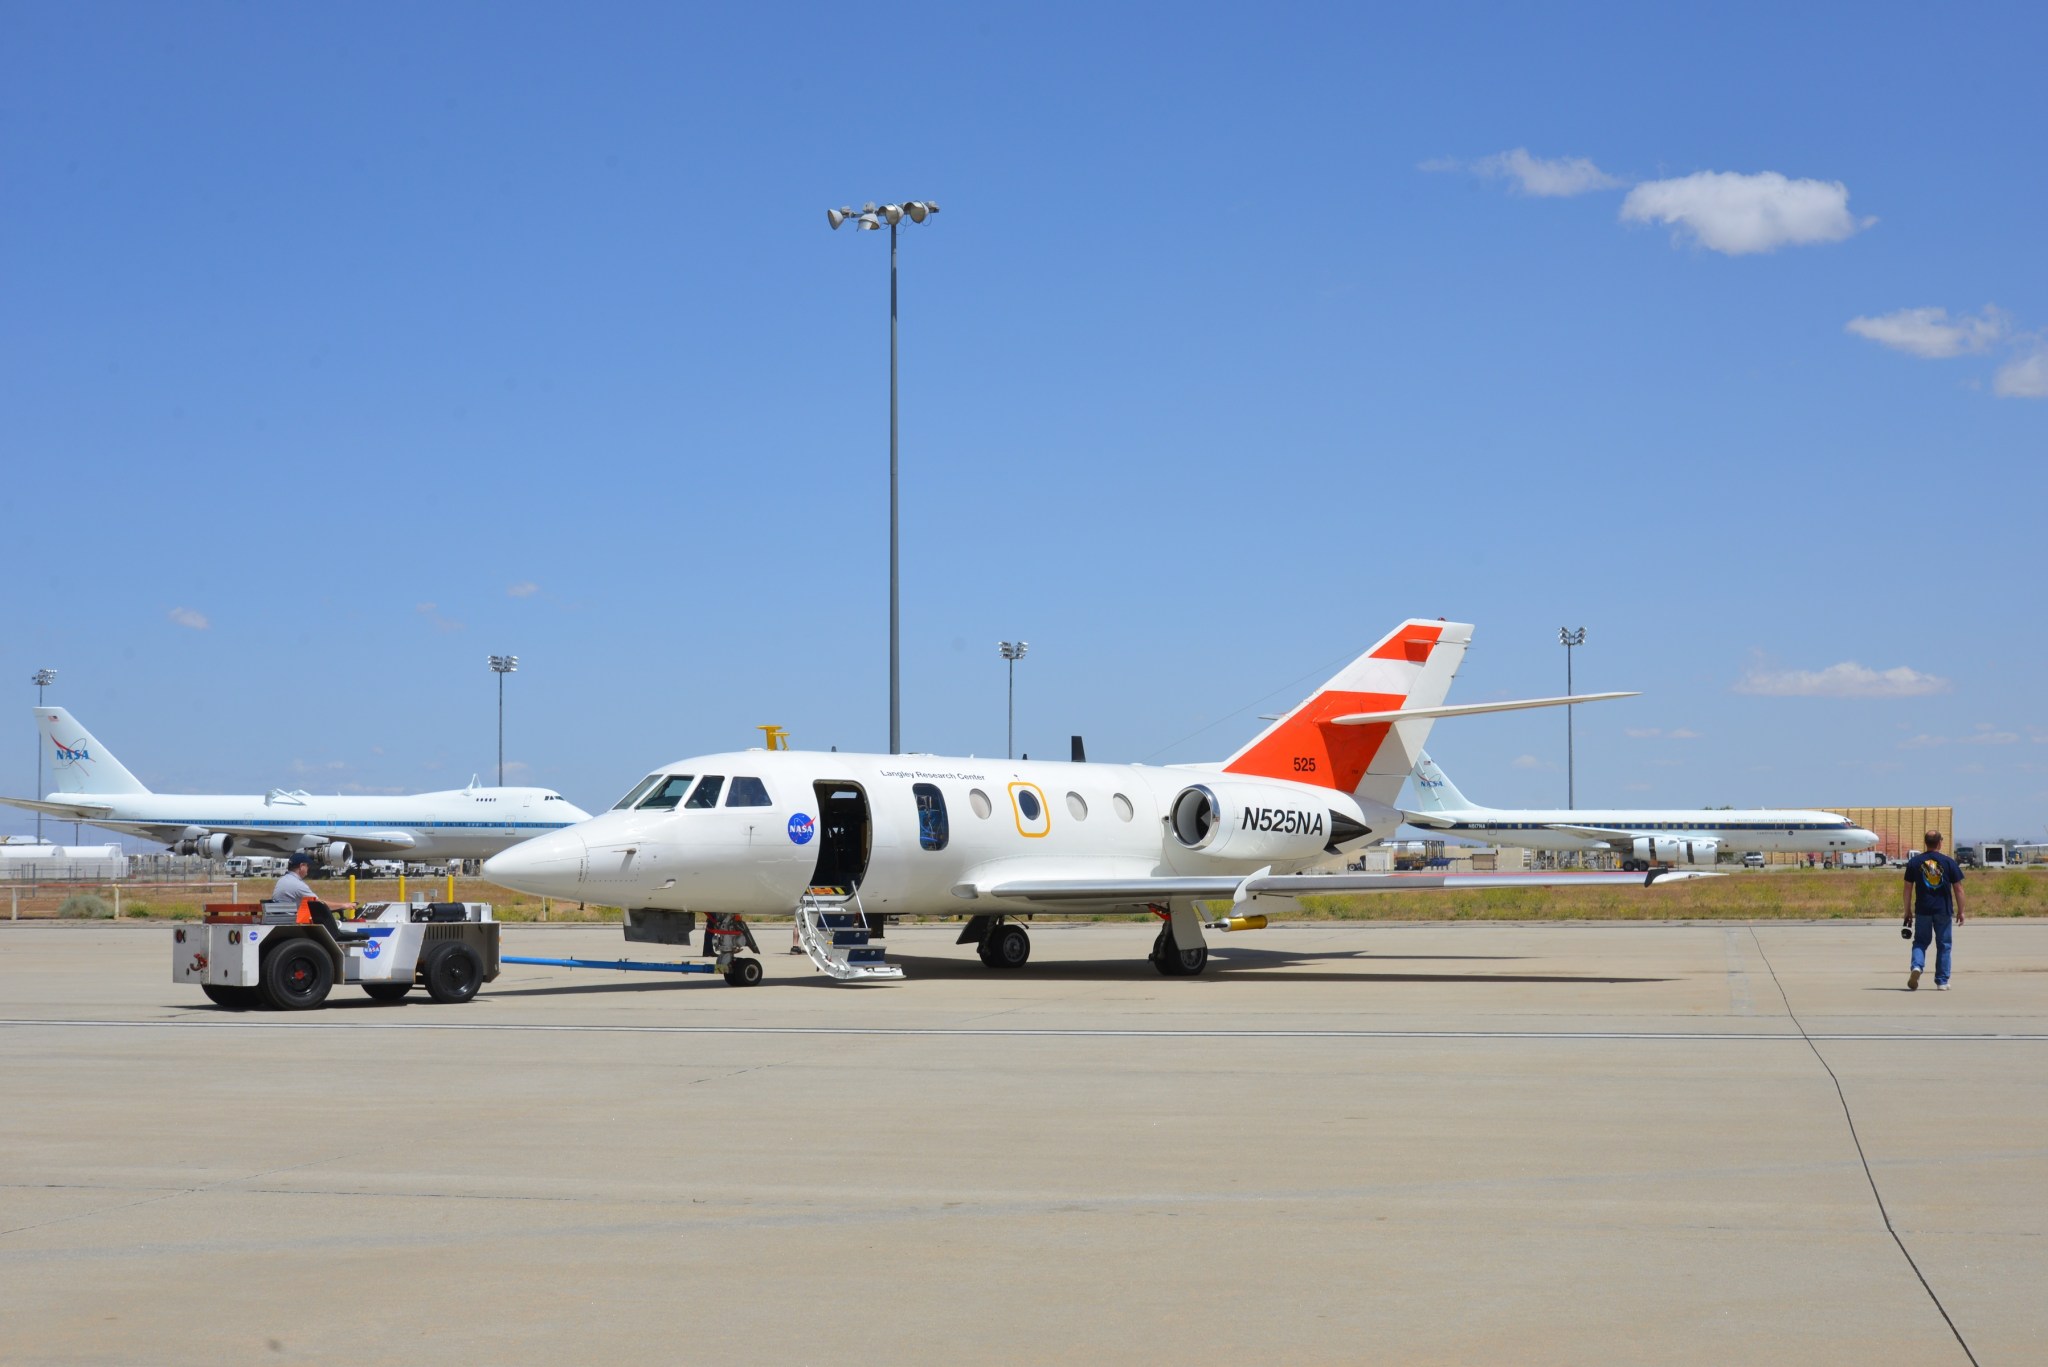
(545, 864)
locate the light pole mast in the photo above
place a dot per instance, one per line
(42, 679)
(867, 220)
(1569, 638)
(501, 665)
(1013, 651)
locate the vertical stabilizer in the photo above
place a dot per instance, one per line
(78, 763)
(1434, 791)
(1411, 666)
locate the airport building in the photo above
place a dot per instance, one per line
(1900, 830)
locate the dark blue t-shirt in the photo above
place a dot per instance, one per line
(1932, 875)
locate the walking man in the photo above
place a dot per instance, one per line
(1934, 907)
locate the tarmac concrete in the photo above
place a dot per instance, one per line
(1417, 1143)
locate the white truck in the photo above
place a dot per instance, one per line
(248, 955)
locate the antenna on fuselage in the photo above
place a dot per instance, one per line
(774, 737)
(1080, 751)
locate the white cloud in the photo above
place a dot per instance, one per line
(1931, 333)
(1531, 762)
(1684, 733)
(1636, 788)
(1543, 177)
(525, 588)
(186, 617)
(1736, 214)
(1985, 734)
(2025, 378)
(1658, 732)
(1845, 680)
(433, 614)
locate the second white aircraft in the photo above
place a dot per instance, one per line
(760, 832)
(1643, 839)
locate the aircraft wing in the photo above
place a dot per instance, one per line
(1593, 832)
(1140, 891)
(363, 842)
(69, 811)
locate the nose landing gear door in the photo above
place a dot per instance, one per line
(845, 836)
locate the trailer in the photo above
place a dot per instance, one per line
(267, 954)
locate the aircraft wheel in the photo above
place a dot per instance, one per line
(744, 972)
(387, 992)
(297, 975)
(1174, 962)
(453, 972)
(1007, 946)
(233, 998)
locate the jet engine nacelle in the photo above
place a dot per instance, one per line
(1673, 850)
(213, 846)
(1267, 822)
(332, 854)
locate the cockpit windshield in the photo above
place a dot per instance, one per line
(639, 791)
(707, 791)
(667, 793)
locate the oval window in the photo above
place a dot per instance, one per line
(1078, 806)
(1122, 805)
(1027, 803)
(978, 800)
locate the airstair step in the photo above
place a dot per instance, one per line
(872, 954)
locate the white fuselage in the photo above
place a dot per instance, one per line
(1764, 829)
(922, 834)
(472, 823)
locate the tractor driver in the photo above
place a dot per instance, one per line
(293, 888)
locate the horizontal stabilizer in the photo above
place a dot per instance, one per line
(1470, 709)
(68, 811)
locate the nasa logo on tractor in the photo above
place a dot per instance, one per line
(801, 829)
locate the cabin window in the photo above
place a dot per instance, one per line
(707, 792)
(1027, 803)
(931, 816)
(978, 800)
(639, 791)
(748, 792)
(1078, 805)
(1122, 805)
(667, 793)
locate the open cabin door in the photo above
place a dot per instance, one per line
(845, 836)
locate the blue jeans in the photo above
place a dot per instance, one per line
(1938, 926)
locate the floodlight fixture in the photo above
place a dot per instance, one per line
(1570, 638)
(1013, 651)
(501, 665)
(870, 219)
(42, 679)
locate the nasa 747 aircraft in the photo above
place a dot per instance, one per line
(874, 836)
(468, 823)
(1643, 839)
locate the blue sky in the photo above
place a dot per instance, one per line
(342, 347)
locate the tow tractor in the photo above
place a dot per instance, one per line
(254, 954)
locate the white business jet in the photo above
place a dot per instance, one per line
(775, 832)
(466, 823)
(1643, 839)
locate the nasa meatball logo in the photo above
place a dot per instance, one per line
(371, 950)
(801, 829)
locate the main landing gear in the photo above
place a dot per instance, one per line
(1173, 961)
(999, 943)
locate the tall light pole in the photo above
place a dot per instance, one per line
(501, 665)
(1013, 651)
(1569, 638)
(868, 220)
(42, 679)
